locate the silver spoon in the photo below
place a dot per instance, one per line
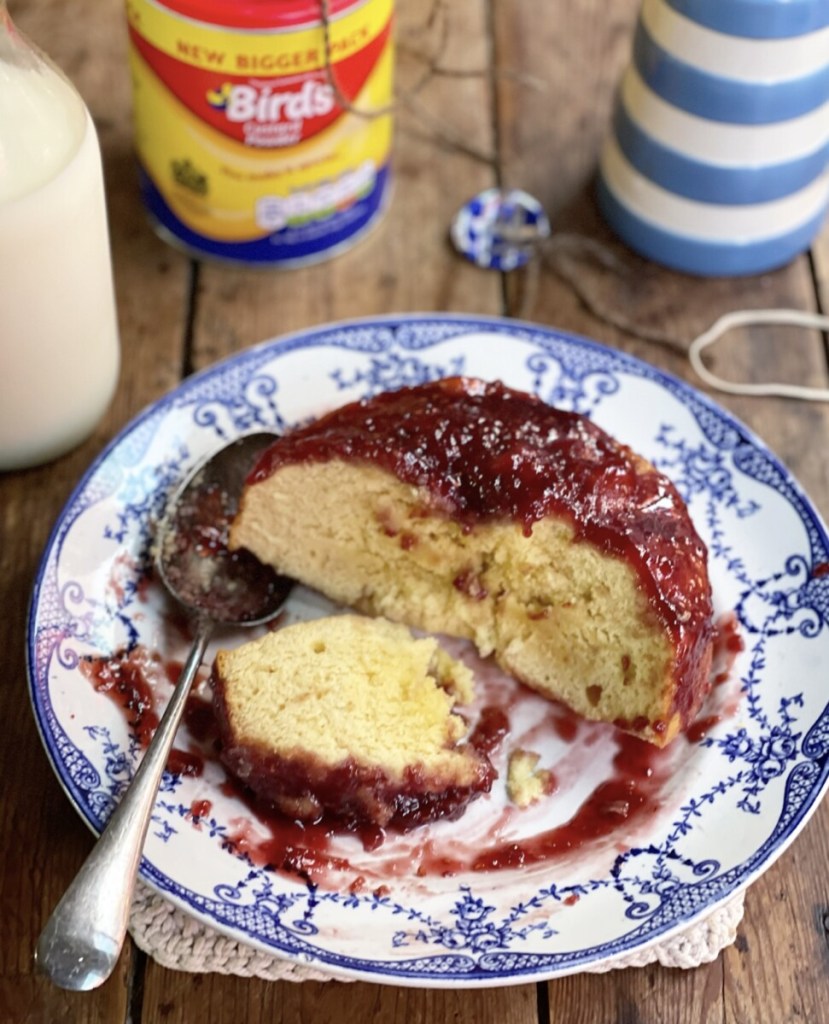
(81, 943)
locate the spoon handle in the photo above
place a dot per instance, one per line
(82, 940)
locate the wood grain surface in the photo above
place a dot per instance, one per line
(521, 96)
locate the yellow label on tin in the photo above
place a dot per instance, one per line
(245, 147)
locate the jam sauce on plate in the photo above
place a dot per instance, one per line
(628, 795)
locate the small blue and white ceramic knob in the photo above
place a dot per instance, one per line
(718, 158)
(499, 229)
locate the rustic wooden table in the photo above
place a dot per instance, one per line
(523, 100)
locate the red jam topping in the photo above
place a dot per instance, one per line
(339, 792)
(486, 452)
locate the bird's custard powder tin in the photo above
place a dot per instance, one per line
(262, 127)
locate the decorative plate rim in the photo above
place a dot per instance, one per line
(525, 967)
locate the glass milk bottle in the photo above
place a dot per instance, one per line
(59, 353)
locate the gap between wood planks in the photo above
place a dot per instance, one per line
(188, 334)
(135, 989)
(813, 272)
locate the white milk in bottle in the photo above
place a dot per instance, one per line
(59, 353)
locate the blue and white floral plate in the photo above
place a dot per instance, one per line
(736, 798)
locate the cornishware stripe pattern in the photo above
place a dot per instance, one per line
(717, 158)
(757, 19)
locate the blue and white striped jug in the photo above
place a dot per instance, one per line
(718, 158)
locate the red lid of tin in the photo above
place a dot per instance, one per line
(258, 14)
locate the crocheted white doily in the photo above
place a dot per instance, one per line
(180, 942)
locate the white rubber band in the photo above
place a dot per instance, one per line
(744, 318)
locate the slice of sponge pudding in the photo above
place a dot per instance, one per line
(350, 716)
(471, 509)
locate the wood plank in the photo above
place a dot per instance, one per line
(44, 838)
(777, 969)
(639, 996)
(820, 264)
(556, 74)
(406, 262)
(182, 999)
